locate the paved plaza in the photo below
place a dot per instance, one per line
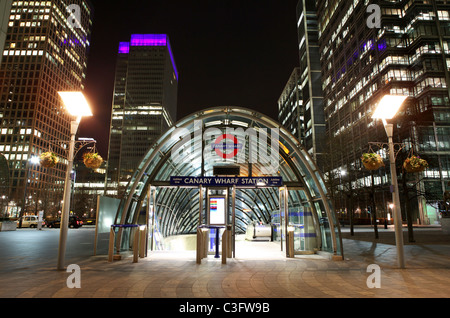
(262, 274)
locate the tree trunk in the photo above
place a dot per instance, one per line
(350, 212)
(407, 209)
(373, 210)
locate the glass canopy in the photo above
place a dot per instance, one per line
(262, 148)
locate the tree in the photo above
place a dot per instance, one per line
(446, 202)
(4, 183)
(343, 182)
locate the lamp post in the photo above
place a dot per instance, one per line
(386, 109)
(78, 107)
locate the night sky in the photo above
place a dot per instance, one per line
(227, 52)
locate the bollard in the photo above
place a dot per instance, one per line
(229, 241)
(291, 243)
(205, 243)
(224, 246)
(199, 246)
(217, 243)
(111, 245)
(142, 243)
(136, 246)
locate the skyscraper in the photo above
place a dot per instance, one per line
(300, 105)
(311, 80)
(144, 103)
(45, 51)
(5, 8)
(408, 54)
(290, 106)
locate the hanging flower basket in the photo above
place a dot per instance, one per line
(48, 159)
(92, 160)
(372, 161)
(415, 164)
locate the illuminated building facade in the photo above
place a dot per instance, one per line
(290, 106)
(408, 53)
(144, 103)
(310, 79)
(5, 8)
(300, 106)
(45, 51)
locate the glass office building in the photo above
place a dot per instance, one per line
(290, 106)
(311, 80)
(45, 51)
(5, 8)
(144, 103)
(408, 53)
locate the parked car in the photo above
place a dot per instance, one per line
(89, 222)
(74, 222)
(30, 221)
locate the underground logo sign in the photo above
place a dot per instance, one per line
(226, 146)
(232, 144)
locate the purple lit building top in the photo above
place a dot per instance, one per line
(124, 47)
(148, 40)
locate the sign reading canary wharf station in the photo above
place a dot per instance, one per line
(227, 181)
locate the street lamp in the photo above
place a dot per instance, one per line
(386, 109)
(77, 106)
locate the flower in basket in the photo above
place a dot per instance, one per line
(92, 160)
(372, 161)
(415, 164)
(48, 159)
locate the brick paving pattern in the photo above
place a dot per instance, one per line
(176, 274)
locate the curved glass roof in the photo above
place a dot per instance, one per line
(189, 148)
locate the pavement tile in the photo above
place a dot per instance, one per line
(172, 275)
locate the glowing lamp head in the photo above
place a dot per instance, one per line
(388, 106)
(76, 104)
(34, 160)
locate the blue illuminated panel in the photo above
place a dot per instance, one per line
(124, 47)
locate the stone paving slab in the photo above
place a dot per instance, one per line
(176, 275)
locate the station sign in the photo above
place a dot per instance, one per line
(226, 181)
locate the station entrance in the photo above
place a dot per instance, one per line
(225, 178)
(253, 229)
